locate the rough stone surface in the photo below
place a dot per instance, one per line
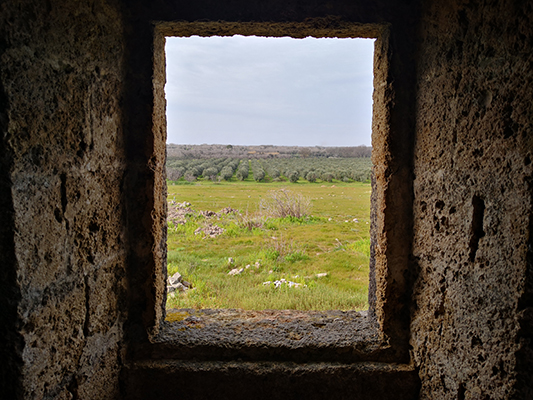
(62, 154)
(473, 207)
(83, 208)
(267, 380)
(392, 138)
(347, 336)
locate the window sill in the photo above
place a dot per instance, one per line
(269, 335)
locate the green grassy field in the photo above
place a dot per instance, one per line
(332, 239)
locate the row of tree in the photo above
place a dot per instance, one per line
(312, 169)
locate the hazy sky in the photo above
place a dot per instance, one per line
(282, 91)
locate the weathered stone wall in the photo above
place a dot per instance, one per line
(471, 334)
(82, 237)
(393, 25)
(62, 167)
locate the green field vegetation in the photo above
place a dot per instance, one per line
(332, 238)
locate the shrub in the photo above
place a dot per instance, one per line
(249, 222)
(274, 173)
(311, 176)
(243, 170)
(293, 176)
(210, 173)
(259, 175)
(174, 174)
(339, 174)
(327, 177)
(189, 177)
(226, 173)
(285, 203)
(195, 171)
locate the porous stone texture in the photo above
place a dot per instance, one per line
(269, 380)
(242, 336)
(62, 170)
(471, 327)
(83, 209)
(284, 335)
(393, 126)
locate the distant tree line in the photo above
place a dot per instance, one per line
(264, 151)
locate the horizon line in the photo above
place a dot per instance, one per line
(274, 145)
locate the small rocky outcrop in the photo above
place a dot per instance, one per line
(177, 213)
(176, 282)
(210, 230)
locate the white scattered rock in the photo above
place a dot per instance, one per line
(355, 220)
(180, 287)
(236, 271)
(209, 214)
(210, 231)
(248, 266)
(231, 260)
(180, 205)
(174, 278)
(257, 264)
(176, 282)
(177, 213)
(321, 275)
(229, 210)
(279, 283)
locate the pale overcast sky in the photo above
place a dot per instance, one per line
(282, 91)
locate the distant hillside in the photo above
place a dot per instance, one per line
(264, 151)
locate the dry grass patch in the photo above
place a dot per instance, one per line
(282, 203)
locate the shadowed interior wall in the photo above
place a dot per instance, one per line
(62, 163)
(82, 209)
(471, 328)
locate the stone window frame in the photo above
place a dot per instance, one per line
(381, 335)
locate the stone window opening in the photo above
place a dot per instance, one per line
(316, 65)
(286, 335)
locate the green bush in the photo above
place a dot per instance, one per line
(226, 173)
(259, 175)
(293, 176)
(311, 176)
(210, 173)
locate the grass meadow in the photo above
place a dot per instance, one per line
(325, 254)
